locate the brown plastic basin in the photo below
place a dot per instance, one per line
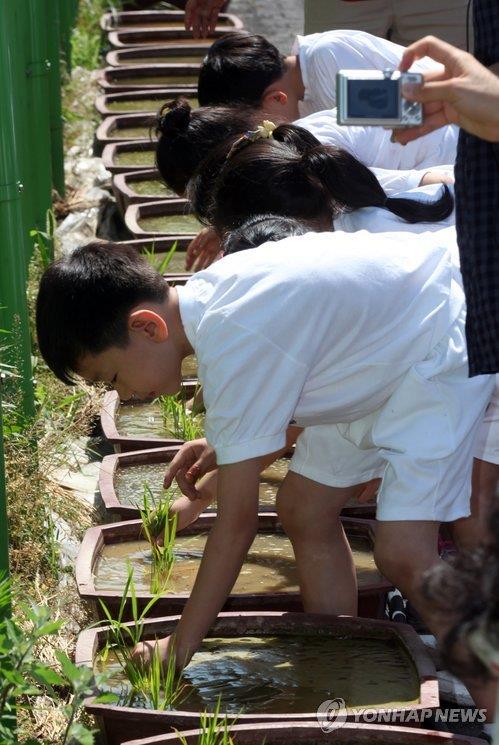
(136, 212)
(117, 79)
(109, 412)
(124, 188)
(165, 54)
(114, 129)
(371, 595)
(310, 733)
(150, 101)
(120, 723)
(111, 464)
(154, 37)
(111, 153)
(154, 19)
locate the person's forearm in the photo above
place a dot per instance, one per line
(223, 557)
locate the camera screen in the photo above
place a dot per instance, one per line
(373, 99)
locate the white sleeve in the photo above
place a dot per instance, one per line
(349, 50)
(251, 387)
(396, 181)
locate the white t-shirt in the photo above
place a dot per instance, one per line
(322, 55)
(378, 220)
(319, 328)
(373, 146)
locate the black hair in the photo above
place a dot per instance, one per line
(464, 591)
(238, 68)
(186, 136)
(292, 174)
(262, 229)
(84, 300)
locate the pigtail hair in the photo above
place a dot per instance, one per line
(354, 185)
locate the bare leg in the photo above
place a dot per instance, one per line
(404, 551)
(310, 514)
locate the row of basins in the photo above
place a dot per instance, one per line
(265, 664)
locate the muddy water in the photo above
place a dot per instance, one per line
(170, 224)
(269, 566)
(293, 674)
(142, 420)
(158, 80)
(129, 484)
(144, 104)
(136, 158)
(175, 266)
(154, 187)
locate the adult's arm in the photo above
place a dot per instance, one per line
(465, 93)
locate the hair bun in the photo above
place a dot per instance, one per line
(174, 117)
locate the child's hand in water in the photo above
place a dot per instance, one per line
(193, 460)
(143, 652)
(203, 250)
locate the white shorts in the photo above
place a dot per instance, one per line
(487, 442)
(421, 441)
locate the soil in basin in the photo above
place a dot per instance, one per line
(143, 104)
(269, 567)
(170, 224)
(293, 674)
(145, 158)
(134, 133)
(153, 187)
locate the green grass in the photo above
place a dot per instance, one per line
(86, 38)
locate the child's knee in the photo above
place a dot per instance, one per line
(401, 557)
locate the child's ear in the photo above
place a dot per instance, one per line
(274, 97)
(148, 322)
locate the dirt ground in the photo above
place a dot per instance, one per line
(278, 20)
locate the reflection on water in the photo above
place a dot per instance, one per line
(129, 484)
(294, 674)
(142, 420)
(269, 566)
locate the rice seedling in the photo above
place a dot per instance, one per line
(160, 263)
(214, 729)
(160, 529)
(153, 684)
(179, 421)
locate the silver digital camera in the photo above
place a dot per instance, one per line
(374, 98)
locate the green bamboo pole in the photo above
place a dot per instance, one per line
(13, 302)
(4, 532)
(38, 171)
(56, 125)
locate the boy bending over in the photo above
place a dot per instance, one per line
(358, 338)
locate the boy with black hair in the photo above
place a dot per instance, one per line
(358, 337)
(245, 67)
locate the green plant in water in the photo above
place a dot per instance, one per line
(160, 529)
(180, 422)
(153, 684)
(214, 729)
(160, 264)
